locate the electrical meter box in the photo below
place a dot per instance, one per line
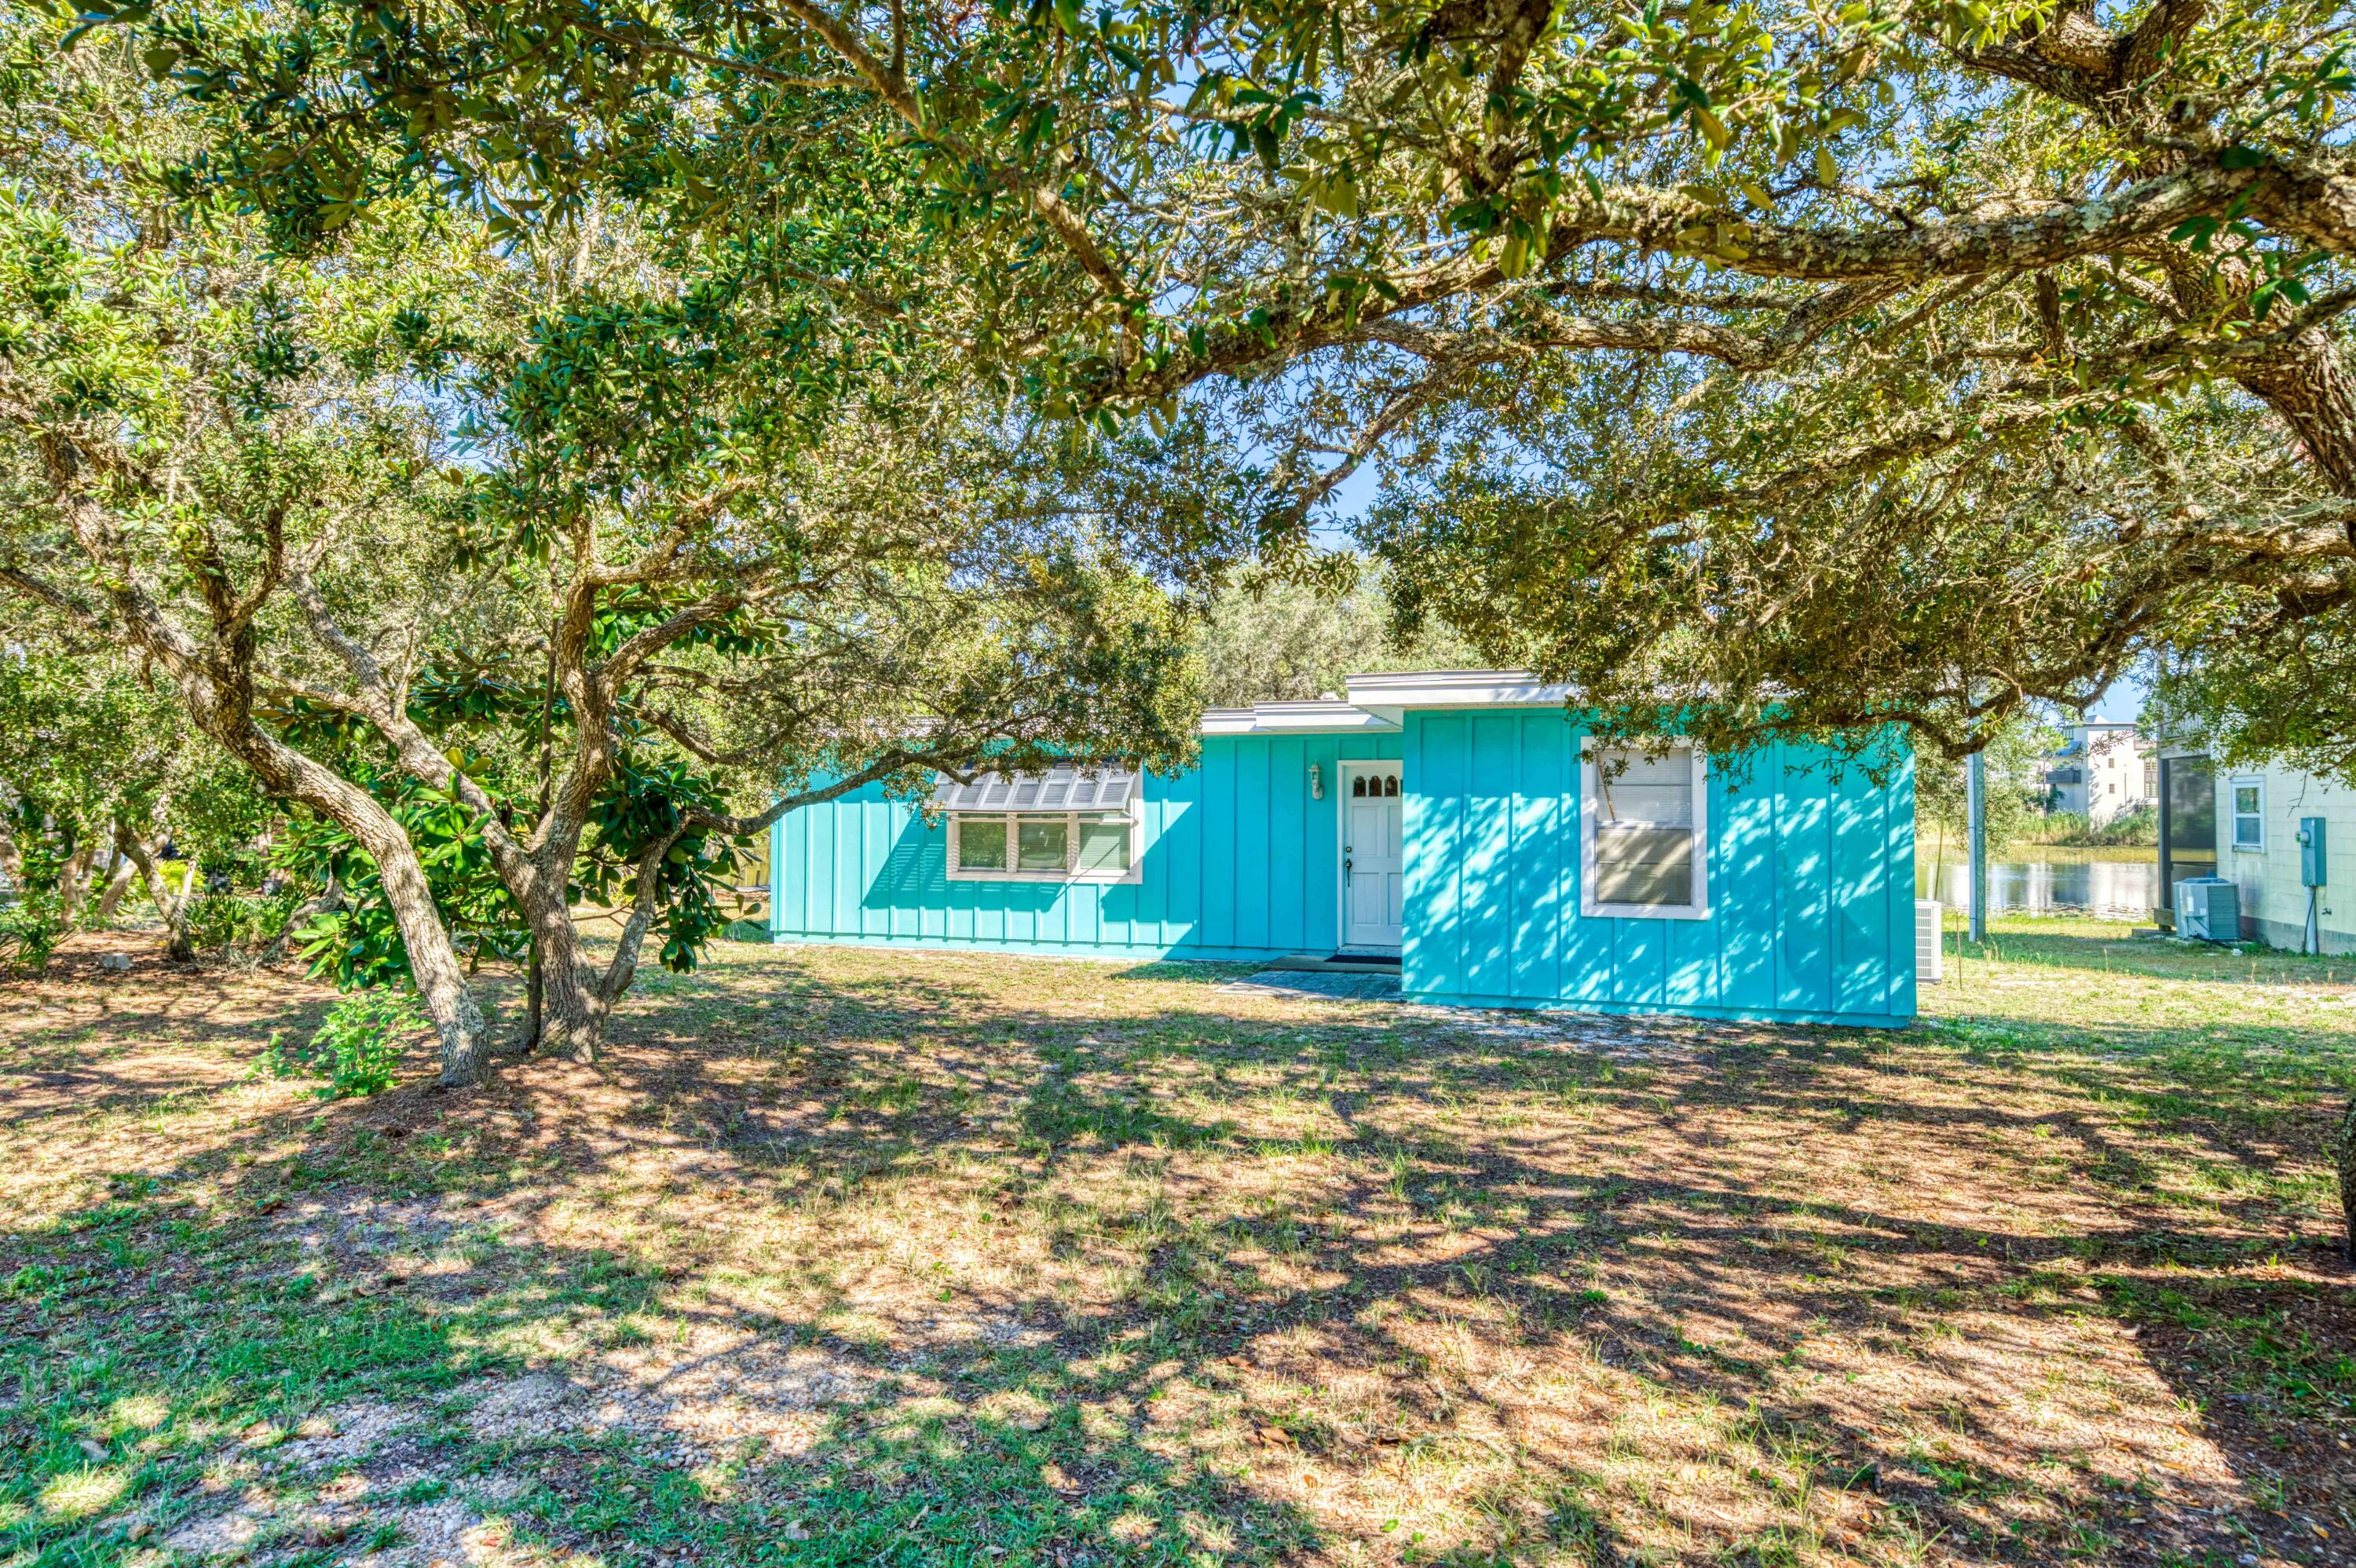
(2310, 852)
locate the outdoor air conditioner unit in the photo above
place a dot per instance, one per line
(1930, 951)
(2208, 908)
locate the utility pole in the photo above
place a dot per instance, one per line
(1976, 809)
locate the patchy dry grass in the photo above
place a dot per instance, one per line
(849, 1257)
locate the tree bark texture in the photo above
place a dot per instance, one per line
(73, 880)
(573, 1010)
(215, 677)
(2346, 1150)
(171, 909)
(109, 897)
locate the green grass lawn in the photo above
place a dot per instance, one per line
(849, 1257)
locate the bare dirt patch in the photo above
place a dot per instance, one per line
(900, 1253)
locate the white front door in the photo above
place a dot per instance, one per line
(1373, 896)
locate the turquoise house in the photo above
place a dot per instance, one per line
(1459, 822)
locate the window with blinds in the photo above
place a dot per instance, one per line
(1644, 850)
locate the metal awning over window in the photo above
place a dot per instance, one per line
(1057, 790)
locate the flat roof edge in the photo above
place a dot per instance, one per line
(1455, 688)
(1311, 718)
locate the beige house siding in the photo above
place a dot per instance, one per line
(2274, 901)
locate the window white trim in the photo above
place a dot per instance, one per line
(1071, 871)
(1590, 799)
(2235, 815)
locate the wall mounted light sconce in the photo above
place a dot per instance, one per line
(1316, 782)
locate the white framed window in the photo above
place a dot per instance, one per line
(1063, 826)
(2249, 803)
(1643, 831)
(1031, 847)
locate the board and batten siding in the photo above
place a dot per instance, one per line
(1237, 863)
(1811, 885)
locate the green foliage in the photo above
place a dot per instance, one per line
(29, 933)
(85, 747)
(1710, 355)
(2015, 762)
(218, 815)
(356, 941)
(1269, 639)
(356, 1050)
(2128, 828)
(2288, 695)
(220, 919)
(33, 921)
(646, 805)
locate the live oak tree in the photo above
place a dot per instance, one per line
(795, 556)
(1955, 220)
(2288, 698)
(889, 606)
(66, 801)
(182, 441)
(1664, 539)
(682, 540)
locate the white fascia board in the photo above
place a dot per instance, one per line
(1317, 715)
(1226, 721)
(1314, 717)
(1394, 692)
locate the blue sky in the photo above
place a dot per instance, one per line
(2123, 701)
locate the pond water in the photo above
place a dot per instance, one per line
(2119, 888)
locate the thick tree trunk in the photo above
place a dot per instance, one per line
(572, 1009)
(73, 882)
(574, 1000)
(535, 999)
(568, 1008)
(2308, 382)
(434, 963)
(110, 901)
(216, 679)
(2346, 1150)
(172, 910)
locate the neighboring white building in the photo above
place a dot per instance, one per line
(2105, 769)
(2243, 824)
(2259, 811)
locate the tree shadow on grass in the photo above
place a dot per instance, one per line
(148, 1356)
(1289, 1272)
